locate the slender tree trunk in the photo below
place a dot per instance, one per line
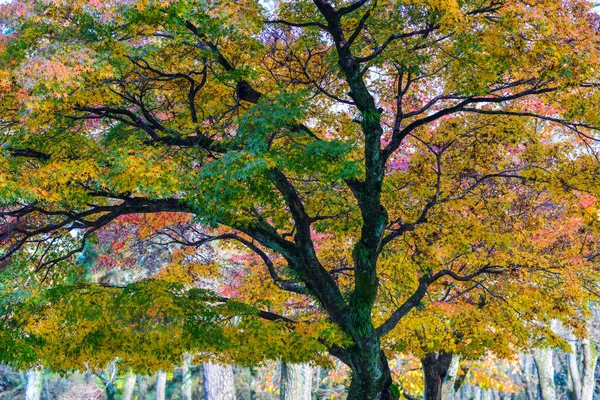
(33, 389)
(109, 382)
(128, 386)
(545, 367)
(530, 388)
(449, 384)
(486, 394)
(588, 381)
(477, 393)
(253, 380)
(161, 385)
(296, 381)
(142, 387)
(218, 382)
(88, 377)
(435, 371)
(575, 377)
(186, 378)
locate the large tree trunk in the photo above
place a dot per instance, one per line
(161, 385)
(544, 362)
(371, 378)
(296, 381)
(33, 390)
(128, 386)
(435, 370)
(218, 382)
(449, 384)
(186, 378)
(588, 380)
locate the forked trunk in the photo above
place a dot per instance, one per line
(435, 370)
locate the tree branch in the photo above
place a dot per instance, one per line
(421, 291)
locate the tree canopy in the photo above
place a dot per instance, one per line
(380, 161)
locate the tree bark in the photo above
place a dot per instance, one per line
(142, 387)
(186, 378)
(435, 371)
(448, 386)
(486, 394)
(371, 377)
(218, 382)
(161, 385)
(108, 379)
(33, 390)
(527, 361)
(296, 381)
(588, 381)
(545, 367)
(128, 386)
(575, 377)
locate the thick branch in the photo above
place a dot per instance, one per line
(421, 291)
(28, 153)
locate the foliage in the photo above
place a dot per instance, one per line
(420, 175)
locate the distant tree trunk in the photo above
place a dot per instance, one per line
(89, 377)
(588, 381)
(530, 388)
(253, 379)
(186, 378)
(296, 381)
(142, 387)
(161, 385)
(108, 380)
(128, 386)
(575, 378)
(448, 386)
(486, 394)
(218, 382)
(33, 390)
(435, 370)
(545, 367)
(477, 392)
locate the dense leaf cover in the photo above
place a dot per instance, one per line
(420, 175)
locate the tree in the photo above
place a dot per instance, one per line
(545, 366)
(129, 385)
(296, 129)
(218, 382)
(296, 381)
(186, 377)
(161, 385)
(33, 389)
(490, 317)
